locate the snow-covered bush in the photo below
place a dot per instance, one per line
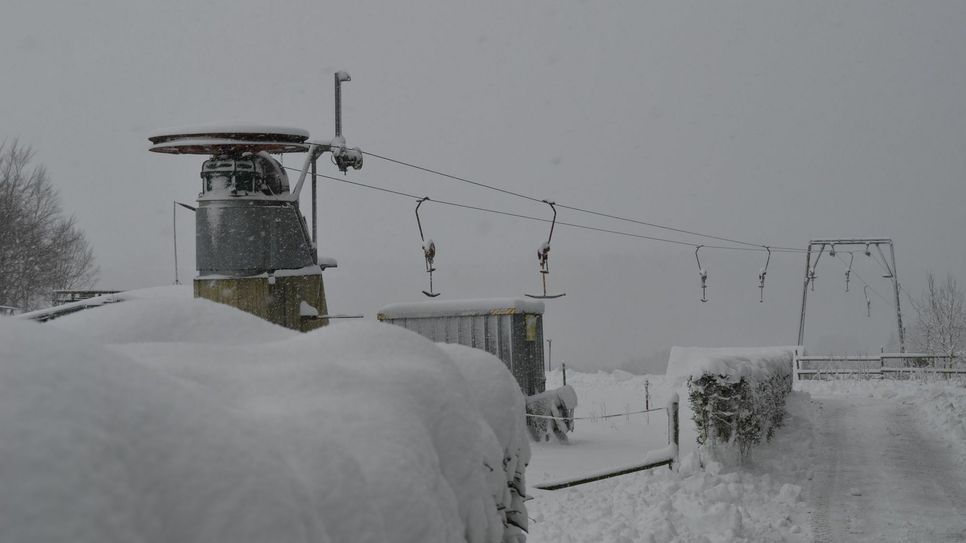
(737, 395)
(178, 419)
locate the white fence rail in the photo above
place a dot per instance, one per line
(886, 365)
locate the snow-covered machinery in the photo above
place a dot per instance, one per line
(253, 247)
(510, 329)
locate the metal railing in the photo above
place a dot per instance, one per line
(667, 456)
(885, 365)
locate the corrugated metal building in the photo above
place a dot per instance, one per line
(509, 328)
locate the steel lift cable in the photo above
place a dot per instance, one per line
(866, 283)
(757, 246)
(540, 219)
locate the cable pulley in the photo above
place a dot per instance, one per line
(703, 274)
(543, 256)
(429, 251)
(761, 277)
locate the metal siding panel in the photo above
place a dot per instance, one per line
(504, 336)
(452, 331)
(426, 328)
(479, 332)
(493, 335)
(439, 330)
(504, 341)
(539, 379)
(246, 237)
(468, 332)
(518, 352)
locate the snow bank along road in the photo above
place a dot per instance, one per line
(882, 475)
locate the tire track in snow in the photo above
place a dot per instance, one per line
(825, 476)
(881, 478)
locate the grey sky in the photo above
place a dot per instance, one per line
(766, 121)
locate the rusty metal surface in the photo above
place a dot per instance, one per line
(276, 300)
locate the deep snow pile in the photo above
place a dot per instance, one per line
(941, 403)
(181, 420)
(758, 501)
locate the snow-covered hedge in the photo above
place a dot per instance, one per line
(182, 420)
(737, 395)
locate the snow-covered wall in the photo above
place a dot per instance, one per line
(175, 419)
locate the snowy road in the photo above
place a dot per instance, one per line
(880, 476)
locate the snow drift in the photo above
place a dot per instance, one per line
(174, 419)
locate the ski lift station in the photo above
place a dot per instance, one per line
(509, 328)
(254, 250)
(253, 247)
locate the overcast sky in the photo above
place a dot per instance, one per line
(771, 122)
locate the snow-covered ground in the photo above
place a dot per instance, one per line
(761, 501)
(938, 403)
(889, 461)
(166, 418)
(802, 486)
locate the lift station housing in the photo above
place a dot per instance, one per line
(253, 247)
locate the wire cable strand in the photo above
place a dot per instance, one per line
(864, 282)
(758, 246)
(532, 218)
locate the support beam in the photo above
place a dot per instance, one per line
(801, 319)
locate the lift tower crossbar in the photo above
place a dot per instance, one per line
(865, 243)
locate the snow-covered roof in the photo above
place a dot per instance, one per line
(206, 146)
(459, 308)
(229, 128)
(48, 313)
(220, 138)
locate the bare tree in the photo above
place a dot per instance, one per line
(41, 249)
(940, 317)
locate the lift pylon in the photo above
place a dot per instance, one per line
(866, 244)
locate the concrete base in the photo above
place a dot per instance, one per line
(276, 300)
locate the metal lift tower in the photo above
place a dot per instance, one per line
(832, 244)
